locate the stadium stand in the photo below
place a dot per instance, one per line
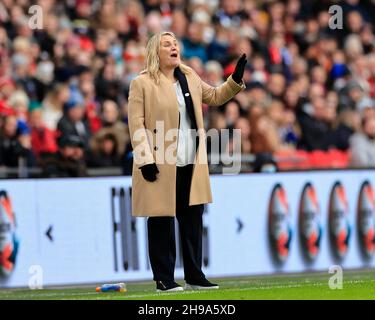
(310, 89)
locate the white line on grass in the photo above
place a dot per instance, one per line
(267, 287)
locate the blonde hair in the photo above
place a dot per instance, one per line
(152, 56)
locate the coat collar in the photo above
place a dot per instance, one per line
(196, 101)
(163, 78)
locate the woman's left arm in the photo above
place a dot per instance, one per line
(216, 96)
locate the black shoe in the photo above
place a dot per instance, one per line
(168, 286)
(200, 285)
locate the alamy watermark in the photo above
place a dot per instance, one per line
(36, 277)
(336, 19)
(36, 18)
(336, 281)
(161, 146)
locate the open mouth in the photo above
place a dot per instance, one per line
(174, 55)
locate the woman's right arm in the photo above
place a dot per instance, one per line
(138, 133)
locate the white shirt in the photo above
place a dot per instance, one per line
(186, 137)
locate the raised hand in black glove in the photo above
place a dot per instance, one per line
(239, 70)
(149, 172)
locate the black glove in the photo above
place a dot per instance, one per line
(149, 171)
(239, 70)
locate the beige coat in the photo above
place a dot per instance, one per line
(150, 102)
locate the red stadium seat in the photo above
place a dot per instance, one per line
(300, 159)
(292, 159)
(339, 159)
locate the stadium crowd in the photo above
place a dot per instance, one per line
(63, 88)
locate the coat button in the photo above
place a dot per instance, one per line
(155, 130)
(155, 148)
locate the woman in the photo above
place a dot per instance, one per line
(167, 96)
(53, 105)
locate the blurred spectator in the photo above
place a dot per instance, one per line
(346, 124)
(87, 88)
(351, 95)
(53, 105)
(73, 121)
(68, 161)
(292, 98)
(285, 121)
(15, 144)
(230, 13)
(257, 94)
(179, 23)
(217, 49)
(193, 45)
(7, 88)
(104, 151)
(107, 85)
(214, 72)
(316, 122)
(362, 145)
(232, 112)
(111, 120)
(273, 128)
(19, 103)
(43, 140)
(259, 72)
(276, 85)
(242, 123)
(365, 103)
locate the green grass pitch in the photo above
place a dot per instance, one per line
(356, 285)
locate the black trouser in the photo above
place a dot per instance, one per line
(161, 235)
